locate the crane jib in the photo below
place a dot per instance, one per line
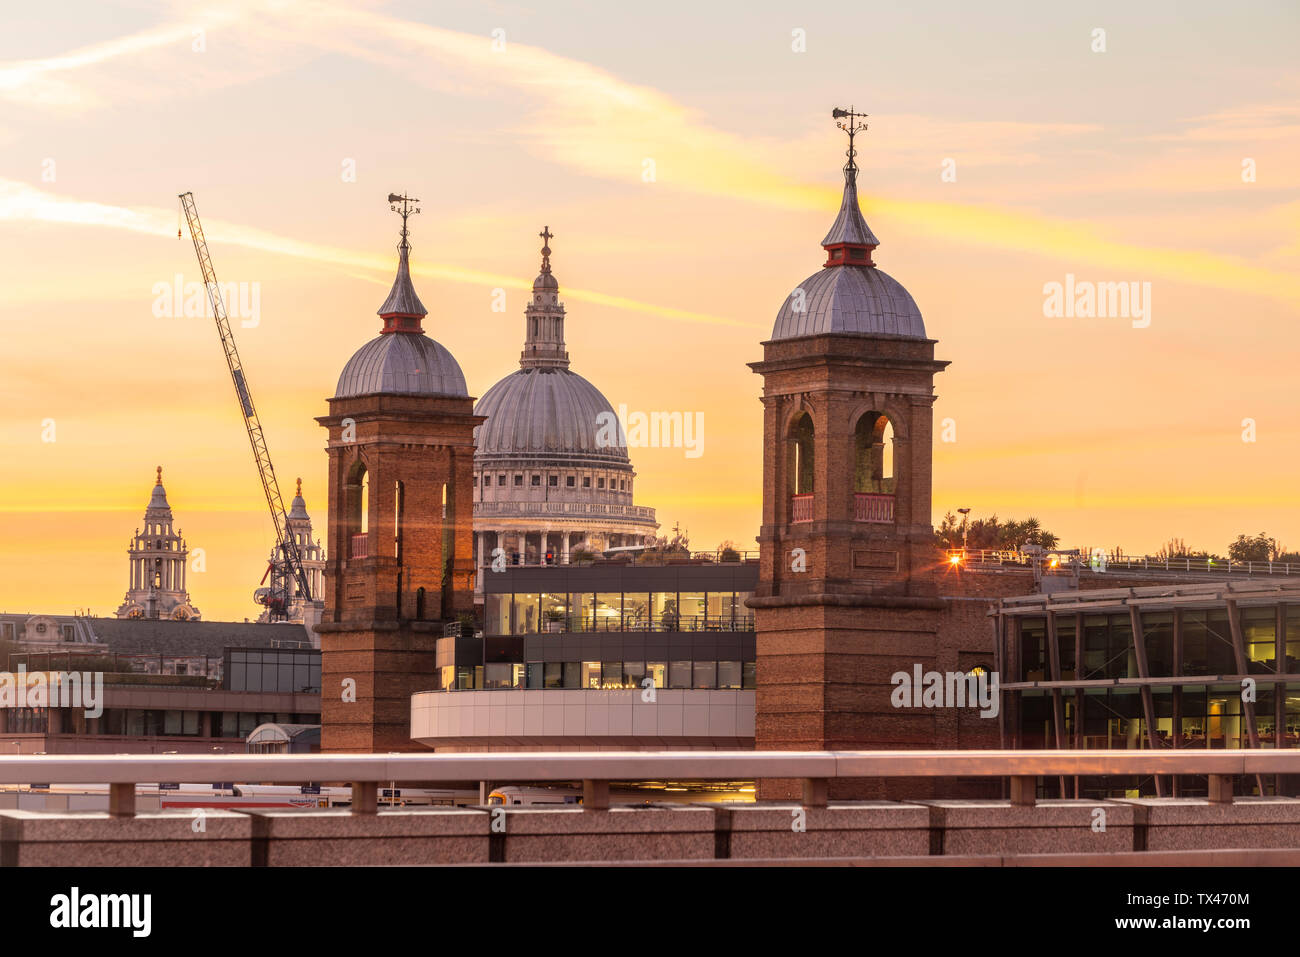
(244, 399)
(288, 569)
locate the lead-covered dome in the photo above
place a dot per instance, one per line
(547, 411)
(404, 363)
(402, 358)
(850, 294)
(853, 299)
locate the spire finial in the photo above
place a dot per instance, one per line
(547, 236)
(300, 486)
(402, 310)
(852, 127)
(405, 211)
(159, 482)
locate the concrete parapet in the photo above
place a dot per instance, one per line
(335, 838)
(942, 832)
(998, 827)
(1179, 824)
(848, 829)
(96, 839)
(574, 834)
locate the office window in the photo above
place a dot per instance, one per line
(750, 671)
(1259, 627)
(658, 670)
(633, 673)
(496, 610)
(692, 607)
(729, 675)
(706, 674)
(555, 609)
(525, 615)
(591, 674)
(554, 674)
(608, 611)
(573, 674)
(679, 674)
(611, 674)
(636, 611)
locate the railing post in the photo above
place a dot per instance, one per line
(1220, 789)
(595, 795)
(121, 800)
(815, 792)
(365, 797)
(1024, 790)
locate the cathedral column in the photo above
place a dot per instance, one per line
(564, 548)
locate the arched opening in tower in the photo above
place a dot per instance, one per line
(874, 454)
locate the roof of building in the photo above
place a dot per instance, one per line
(847, 296)
(544, 408)
(406, 363)
(863, 300)
(152, 636)
(553, 411)
(402, 300)
(298, 509)
(850, 226)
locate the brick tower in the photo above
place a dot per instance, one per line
(844, 597)
(401, 457)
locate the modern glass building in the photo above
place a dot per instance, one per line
(622, 653)
(1178, 666)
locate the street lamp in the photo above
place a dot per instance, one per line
(964, 513)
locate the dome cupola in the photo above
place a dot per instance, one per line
(850, 294)
(402, 359)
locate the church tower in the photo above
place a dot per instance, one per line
(401, 457)
(301, 609)
(158, 562)
(845, 596)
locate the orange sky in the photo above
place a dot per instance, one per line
(1122, 165)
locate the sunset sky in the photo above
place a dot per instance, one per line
(1123, 165)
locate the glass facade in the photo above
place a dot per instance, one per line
(631, 675)
(1195, 681)
(292, 671)
(526, 613)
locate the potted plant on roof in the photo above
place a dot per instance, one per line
(554, 620)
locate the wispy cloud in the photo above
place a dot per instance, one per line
(588, 119)
(21, 201)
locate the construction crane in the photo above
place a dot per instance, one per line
(286, 563)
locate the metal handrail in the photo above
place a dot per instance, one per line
(1001, 556)
(596, 769)
(632, 765)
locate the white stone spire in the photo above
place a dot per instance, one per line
(544, 318)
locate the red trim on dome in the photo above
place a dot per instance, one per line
(848, 254)
(398, 322)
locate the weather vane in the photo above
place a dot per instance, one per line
(547, 236)
(852, 127)
(404, 211)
